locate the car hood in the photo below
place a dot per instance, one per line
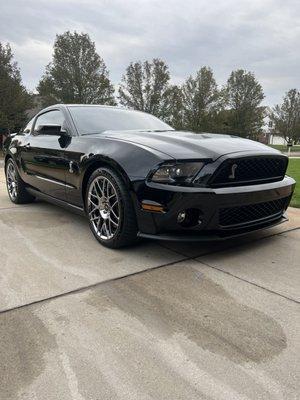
(189, 145)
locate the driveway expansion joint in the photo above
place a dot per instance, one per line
(88, 287)
(198, 259)
(185, 258)
(250, 282)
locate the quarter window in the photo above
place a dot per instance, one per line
(28, 127)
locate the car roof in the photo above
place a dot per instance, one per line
(63, 105)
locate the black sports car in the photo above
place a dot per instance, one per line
(133, 175)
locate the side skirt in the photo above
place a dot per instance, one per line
(57, 202)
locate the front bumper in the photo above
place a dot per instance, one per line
(210, 203)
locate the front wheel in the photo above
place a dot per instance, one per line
(110, 210)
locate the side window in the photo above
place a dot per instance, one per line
(54, 117)
(28, 127)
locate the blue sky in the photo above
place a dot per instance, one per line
(262, 36)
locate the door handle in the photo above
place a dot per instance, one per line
(73, 167)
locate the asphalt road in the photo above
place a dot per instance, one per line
(157, 321)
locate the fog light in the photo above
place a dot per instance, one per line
(190, 218)
(181, 217)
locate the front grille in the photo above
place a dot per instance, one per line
(249, 170)
(233, 216)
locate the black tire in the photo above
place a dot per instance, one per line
(15, 186)
(100, 210)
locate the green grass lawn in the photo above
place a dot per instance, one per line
(294, 171)
(283, 147)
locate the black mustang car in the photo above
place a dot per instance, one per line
(133, 175)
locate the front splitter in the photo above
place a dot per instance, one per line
(210, 237)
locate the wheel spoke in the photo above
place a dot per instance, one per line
(109, 228)
(10, 174)
(98, 189)
(113, 222)
(106, 188)
(98, 223)
(114, 214)
(103, 186)
(94, 195)
(103, 228)
(93, 210)
(109, 190)
(92, 202)
(114, 204)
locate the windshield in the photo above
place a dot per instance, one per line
(93, 119)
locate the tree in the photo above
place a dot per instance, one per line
(77, 74)
(172, 107)
(14, 98)
(220, 120)
(285, 117)
(242, 96)
(200, 101)
(145, 87)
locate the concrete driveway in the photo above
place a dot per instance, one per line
(157, 321)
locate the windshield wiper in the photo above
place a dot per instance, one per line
(91, 133)
(128, 130)
(157, 130)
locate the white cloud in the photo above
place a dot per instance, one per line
(261, 36)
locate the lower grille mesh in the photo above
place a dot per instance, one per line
(252, 212)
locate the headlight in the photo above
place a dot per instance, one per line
(180, 173)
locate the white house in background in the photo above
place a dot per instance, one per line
(275, 139)
(272, 137)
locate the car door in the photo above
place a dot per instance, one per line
(75, 156)
(43, 156)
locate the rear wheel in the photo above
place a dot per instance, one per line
(15, 186)
(110, 210)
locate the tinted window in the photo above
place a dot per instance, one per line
(54, 117)
(99, 119)
(28, 127)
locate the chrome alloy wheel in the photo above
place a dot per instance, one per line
(103, 207)
(11, 179)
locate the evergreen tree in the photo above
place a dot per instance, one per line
(14, 98)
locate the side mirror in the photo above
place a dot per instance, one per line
(53, 130)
